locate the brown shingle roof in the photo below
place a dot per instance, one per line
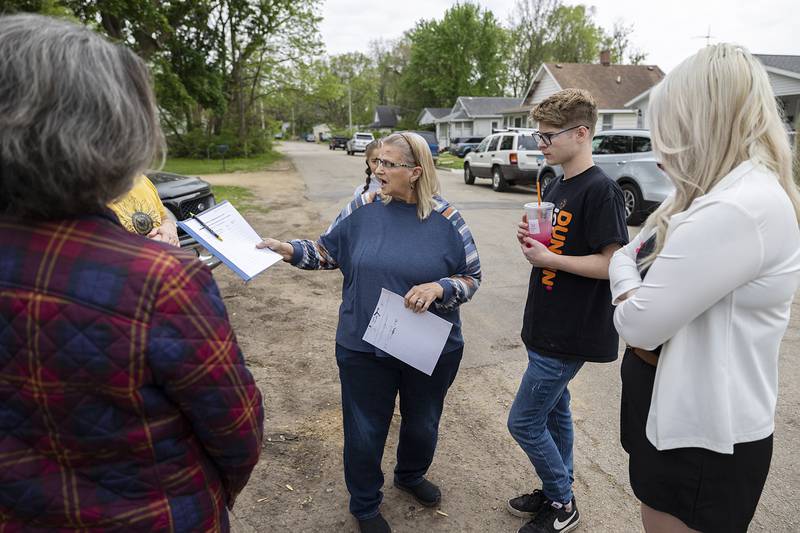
(611, 85)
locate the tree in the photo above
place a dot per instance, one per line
(548, 31)
(530, 36)
(618, 42)
(464, 53)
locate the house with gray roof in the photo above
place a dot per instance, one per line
(429, 115)
(386, 118)
(784, 77)
(472, 116)
(611, 85)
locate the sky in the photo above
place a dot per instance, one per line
(667, 30)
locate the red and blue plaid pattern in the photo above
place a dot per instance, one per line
(125, 403)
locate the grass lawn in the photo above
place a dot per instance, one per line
(241, 197)
(448, 160)
(181, 165)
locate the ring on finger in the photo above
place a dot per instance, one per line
(419, 301)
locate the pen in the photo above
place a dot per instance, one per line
(211, 231)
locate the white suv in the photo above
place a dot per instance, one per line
(359, 142)
(506, 157)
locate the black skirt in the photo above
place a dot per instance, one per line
(708, 491)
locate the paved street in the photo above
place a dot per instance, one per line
(491, 328)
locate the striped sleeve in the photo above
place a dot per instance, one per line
(460, 287)
(314, 255)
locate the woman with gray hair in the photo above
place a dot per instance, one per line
(412, 242)
(703, 297)
(125, 403)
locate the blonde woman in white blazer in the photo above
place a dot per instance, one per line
(703, 296)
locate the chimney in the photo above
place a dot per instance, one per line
(605, 57)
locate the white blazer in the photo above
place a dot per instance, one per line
(718, 298)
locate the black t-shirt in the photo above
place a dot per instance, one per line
(566, 315)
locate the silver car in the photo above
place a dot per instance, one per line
(627, 157)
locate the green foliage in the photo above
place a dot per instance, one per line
(448, 160)
(190, 166)
(463, 54)
(242, 198)
(548, 31)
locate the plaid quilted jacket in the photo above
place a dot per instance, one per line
(125, 403)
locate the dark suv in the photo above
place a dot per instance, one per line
(461, 146)
(182, 196)
(338, 142)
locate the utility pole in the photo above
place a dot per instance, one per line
(349, 107)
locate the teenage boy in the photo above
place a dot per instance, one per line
(568, 313)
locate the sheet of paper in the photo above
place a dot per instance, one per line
(414, 338)
(237, 248)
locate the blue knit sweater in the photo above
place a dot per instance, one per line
(378, 245)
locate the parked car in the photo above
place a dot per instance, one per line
(337, 142)
(508, 158)
(309, 137)
(433, 142)
(627, 157)
(359, 142)
(461, 146)
(182, 196)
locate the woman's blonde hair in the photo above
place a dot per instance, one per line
(416, 152)
(713, 112)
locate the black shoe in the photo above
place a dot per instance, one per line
(527, 505)
(425, 493)
(376, 524)
(553, 520)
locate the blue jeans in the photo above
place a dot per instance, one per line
(370, 385)
(541, 422)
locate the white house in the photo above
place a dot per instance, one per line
(321, 132)
(472, 116)
(429, 115)
(612, 86)
(784, 76)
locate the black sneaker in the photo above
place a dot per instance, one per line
(527, 505)
(376, 524)
(425, 493)
(553, 520)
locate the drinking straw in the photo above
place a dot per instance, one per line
(538, 191)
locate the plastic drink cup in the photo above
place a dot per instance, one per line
(540, 221)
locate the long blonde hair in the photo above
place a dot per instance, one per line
(415, 149)
(713, 112)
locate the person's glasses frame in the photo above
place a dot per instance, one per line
(390, 164)
(547, 138)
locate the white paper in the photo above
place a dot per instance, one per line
(239, 239)
(414, 338)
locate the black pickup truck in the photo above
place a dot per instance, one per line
(338, 142)
(183, 195)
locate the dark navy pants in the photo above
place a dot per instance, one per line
(370, 385)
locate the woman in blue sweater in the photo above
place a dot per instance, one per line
(410, 241)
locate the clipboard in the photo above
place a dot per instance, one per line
(237, 249)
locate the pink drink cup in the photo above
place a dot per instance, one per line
(540, 221)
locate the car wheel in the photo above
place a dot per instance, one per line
(469, 177)
(545, 179)
(499, 184)
(632, 197)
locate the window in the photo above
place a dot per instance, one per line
(494, 125)
(611, 144)
(508, 142)
(482, 146)
(608, 121)
(641, 144)
(518, 122)
(493, 144)
(527, 142)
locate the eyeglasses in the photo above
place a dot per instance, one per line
(390, 164)
(547, 138)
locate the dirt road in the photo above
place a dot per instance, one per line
(285, 321)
